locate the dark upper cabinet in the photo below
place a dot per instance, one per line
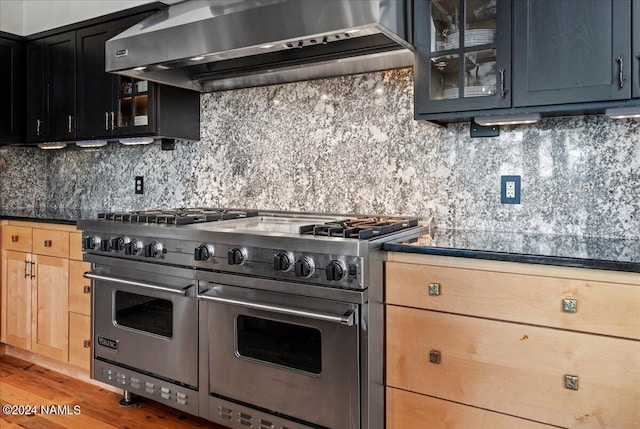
(60, 85)
(71, 97)
(463, 55)
(51, 88)
(11, 88)
(571, 51)
(35, 123)
(635, 53)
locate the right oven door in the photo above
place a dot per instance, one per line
(292, 356)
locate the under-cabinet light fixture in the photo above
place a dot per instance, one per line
(517, 118)
(197, 58)
(623, 112)
(52, 145)
(136, 140)
(91, 143)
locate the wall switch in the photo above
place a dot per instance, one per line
(139, 189)
(510, 189)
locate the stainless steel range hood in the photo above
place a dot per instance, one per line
(224, 44)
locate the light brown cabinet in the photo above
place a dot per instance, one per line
(46, 300)
(510, 345)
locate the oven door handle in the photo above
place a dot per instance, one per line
(347, 318)
(182, 292)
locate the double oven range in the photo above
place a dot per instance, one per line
(246, 318)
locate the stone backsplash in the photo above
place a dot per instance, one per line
(351, 145)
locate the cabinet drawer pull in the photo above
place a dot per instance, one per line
(571, 382)
(14, 238)
(570, 306)
(434, 289)
(48, 243)
(434, 357)
(86, 344)
(33, 276)
(621, 78)
(86, 289)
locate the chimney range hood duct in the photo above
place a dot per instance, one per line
(225, 44)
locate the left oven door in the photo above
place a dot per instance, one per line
(147, 322)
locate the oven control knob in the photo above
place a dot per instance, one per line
(152, 250)
(132, 248)
(106, 245)
(304, 267)
(119, 243)
(204, 252)
(90, 243)
(236, 256)
(335, 271)
(282, 262)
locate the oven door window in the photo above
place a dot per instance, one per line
(283, 344)
(144, 313)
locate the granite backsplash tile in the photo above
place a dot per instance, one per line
(350, 144)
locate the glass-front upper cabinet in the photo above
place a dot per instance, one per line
(463, 55)
(134, 101)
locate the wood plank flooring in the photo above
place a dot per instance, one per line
(24, 383)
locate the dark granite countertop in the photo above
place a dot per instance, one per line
(617, 254)
(67, 216)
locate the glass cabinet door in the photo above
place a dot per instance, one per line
(134, 107)
(463, 55)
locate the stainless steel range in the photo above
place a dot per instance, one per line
(247, 318)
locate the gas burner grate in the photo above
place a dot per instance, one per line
(360, 228)
(181, 216)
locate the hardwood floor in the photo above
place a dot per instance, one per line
(24, 383)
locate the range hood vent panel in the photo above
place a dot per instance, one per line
(305, 39)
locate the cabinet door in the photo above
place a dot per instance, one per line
(79, 340)
(96, 88)
(570, 51)
(463, 55)
(79, 288)
(50, 316)
(16, 299)
(36, 126)
(136, 107)
(60, 76)
(635, 77)
(11, 88)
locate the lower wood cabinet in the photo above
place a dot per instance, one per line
(46, 301)
(486, 344)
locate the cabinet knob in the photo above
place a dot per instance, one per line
(434, 357)
(86, 289)
(14, 238)
(570, 306)
(571, 382)
(86, 344)
(48, 243)
(434, 289)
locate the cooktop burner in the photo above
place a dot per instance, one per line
(180, 216)
(361, 228)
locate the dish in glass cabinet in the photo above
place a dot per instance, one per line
(481, 36)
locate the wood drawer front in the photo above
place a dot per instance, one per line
(51, 243)
(75, 246)
(411, 410)
(604, 308)
(79, 288)
(16, 238)
(79, 337)
(516, 369)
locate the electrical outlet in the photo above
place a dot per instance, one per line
(510, 189)
(139, 182)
